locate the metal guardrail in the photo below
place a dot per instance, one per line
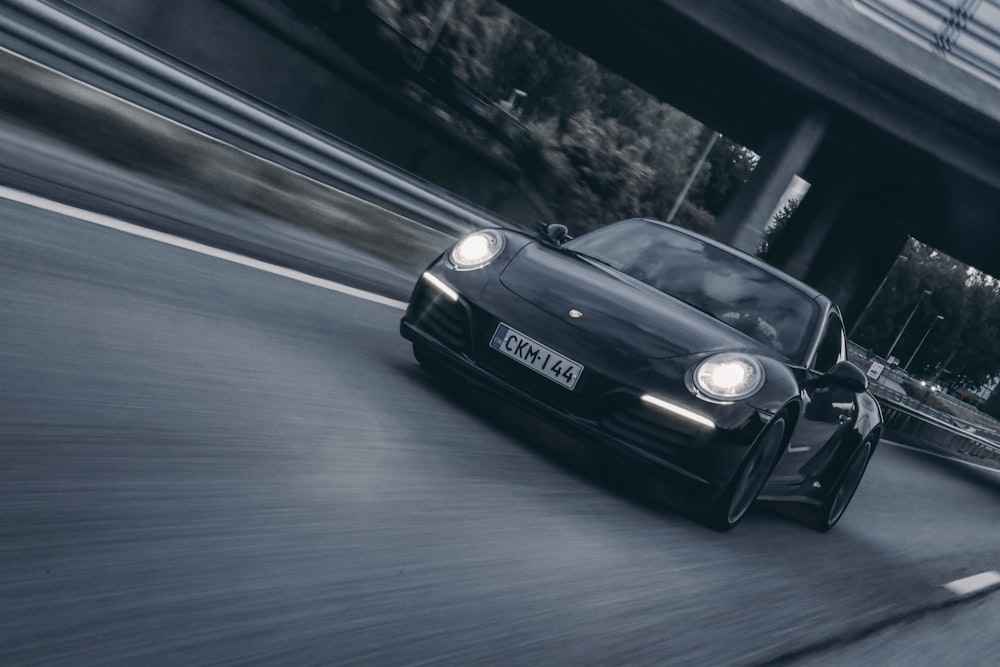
(911, 422)
(862, 357)
(911, 426)
(71, 41)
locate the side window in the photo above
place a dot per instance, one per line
(832, 347)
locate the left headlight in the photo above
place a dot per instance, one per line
(730, 376)
(477, 250)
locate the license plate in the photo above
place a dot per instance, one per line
(537, 357)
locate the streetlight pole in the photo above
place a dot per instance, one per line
(921, 343)
(693, 175)
(878, 290)
(907, 322)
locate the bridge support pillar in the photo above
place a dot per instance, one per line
(849, 230)
(785, 155)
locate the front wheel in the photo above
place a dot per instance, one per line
(749, 479)
(827, 515)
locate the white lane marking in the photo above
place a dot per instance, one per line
(200, 248)
(975, 583)
(941, 456)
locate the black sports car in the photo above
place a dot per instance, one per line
(726, 373)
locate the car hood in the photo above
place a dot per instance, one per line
(615, 308)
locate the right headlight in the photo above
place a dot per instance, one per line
(477, 250)
(730, 376)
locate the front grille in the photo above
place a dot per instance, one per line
(445, 320)
(648, 429)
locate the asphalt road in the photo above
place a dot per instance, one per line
(203, 463)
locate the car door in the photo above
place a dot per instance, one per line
(828, 411)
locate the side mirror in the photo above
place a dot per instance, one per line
(553, 234)
(847, 375)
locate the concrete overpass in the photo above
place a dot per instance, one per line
(889, 108)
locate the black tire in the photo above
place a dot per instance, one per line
(826, 516)
(757, 466)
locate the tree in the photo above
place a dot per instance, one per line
(961, 343)
(731, 166)
(775, 235)
(602, 149)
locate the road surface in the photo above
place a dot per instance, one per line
(206, 463)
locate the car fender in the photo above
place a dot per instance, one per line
(780, 388)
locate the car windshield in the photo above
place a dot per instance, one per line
(715, 281)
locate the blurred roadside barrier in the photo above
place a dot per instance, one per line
(965, 412)
(911, 422)
(911, 425)
(72, 42)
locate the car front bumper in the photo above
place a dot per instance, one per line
(701, 461)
